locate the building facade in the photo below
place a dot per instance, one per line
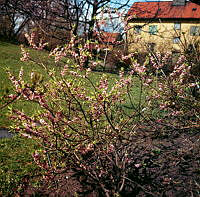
(165, 25)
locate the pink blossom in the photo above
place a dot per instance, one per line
(138, 165)
(163, 106)
(148, 81)
(31, 40)
(25, 55)
(159, 121)
(12, 96)
(111, 148)
(140, 69)
(94, 64)
(103, 84)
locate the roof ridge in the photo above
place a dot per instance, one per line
(149, 9)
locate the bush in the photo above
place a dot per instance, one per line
(83, 125)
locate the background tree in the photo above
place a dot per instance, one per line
(12, 21)
(56, 18)
(94, 8)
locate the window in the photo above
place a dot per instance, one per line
(176, 40)
(195, 30)
(153, 29)
(177, 26)
(137, 29)
(151, 46)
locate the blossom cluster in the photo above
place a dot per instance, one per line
(158, 60)
(25, 55)
(31, 40)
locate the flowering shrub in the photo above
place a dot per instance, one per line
(77, 117)
(174, 91)
(83, 126)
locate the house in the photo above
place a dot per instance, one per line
(163, 25)
(110, 37)
(107, 39)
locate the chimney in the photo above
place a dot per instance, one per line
(179, 2)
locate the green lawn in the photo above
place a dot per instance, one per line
(10, 55)
(16, 164)
(10, 59)
(16, 161)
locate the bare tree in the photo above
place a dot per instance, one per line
(93, 8)
(12, 22)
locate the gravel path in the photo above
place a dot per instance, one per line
(4, 133)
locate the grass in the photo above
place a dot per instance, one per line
(10, 59)
(15, 154)
(16, 163)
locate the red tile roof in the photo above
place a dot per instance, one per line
(107, 37)
(164, 9)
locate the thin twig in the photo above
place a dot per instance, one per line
(141, 187)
